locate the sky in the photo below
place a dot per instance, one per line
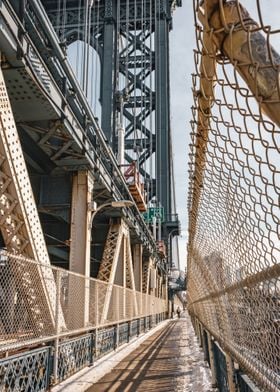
(182, 43)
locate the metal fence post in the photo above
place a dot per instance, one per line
(97, 305)
(57, 328)
(199, 333)
(205, 345)
(212, 361)
(96, 343)
(91, 349)
(129, 331)
(138, 326)
(117, 335)
(230, 373)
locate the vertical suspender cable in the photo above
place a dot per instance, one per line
(142, 76)
(96, 59)
(92, 41)
(64, 20)
(120, 125)
(143, 58)
(127, 87)
(151, 101)
(157, 71)
(127, 43)
(78, 42)
(58, 16)
(84, 75)
(135, 80)
(88, 42)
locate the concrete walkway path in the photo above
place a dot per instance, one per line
(169, 360)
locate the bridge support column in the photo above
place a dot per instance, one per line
(138, 271)
(80, 246)
(138, 266)
(163, 173)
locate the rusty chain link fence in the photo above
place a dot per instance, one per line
(234, 249)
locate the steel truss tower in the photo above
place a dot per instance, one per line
(131, 38)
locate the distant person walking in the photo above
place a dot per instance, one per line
(179, 312)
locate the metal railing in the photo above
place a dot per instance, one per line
(225, 376)
(38, 369)
(25, 321)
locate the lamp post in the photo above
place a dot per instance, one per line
(113, 204)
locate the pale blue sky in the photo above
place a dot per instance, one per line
(182, 43)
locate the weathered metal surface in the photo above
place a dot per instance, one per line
(26, 372)
(74, 355)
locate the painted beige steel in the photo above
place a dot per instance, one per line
(20, 224)
(138, 266)
(118, 240)
(237, 36)
(81, 234)
(146, 275)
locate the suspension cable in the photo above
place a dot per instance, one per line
(151, 171)
(78, 41)
(96, 58)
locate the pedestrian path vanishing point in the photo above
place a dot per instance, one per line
(169, 360)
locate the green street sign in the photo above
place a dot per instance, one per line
(154, 213)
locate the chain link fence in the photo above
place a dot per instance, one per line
(26, 314)
(233, 251)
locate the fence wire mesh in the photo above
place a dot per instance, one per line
(233, 250)
(78, 303)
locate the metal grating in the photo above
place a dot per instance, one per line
(74, 355)
(134, 330)
(26, 372)
(123, 333)
(105, 341)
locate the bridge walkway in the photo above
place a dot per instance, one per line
(169, 360)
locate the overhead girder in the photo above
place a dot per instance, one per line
(138, 62)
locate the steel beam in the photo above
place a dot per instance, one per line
(163, 174)
(138, 266)
(19, 219)
(80, 242)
